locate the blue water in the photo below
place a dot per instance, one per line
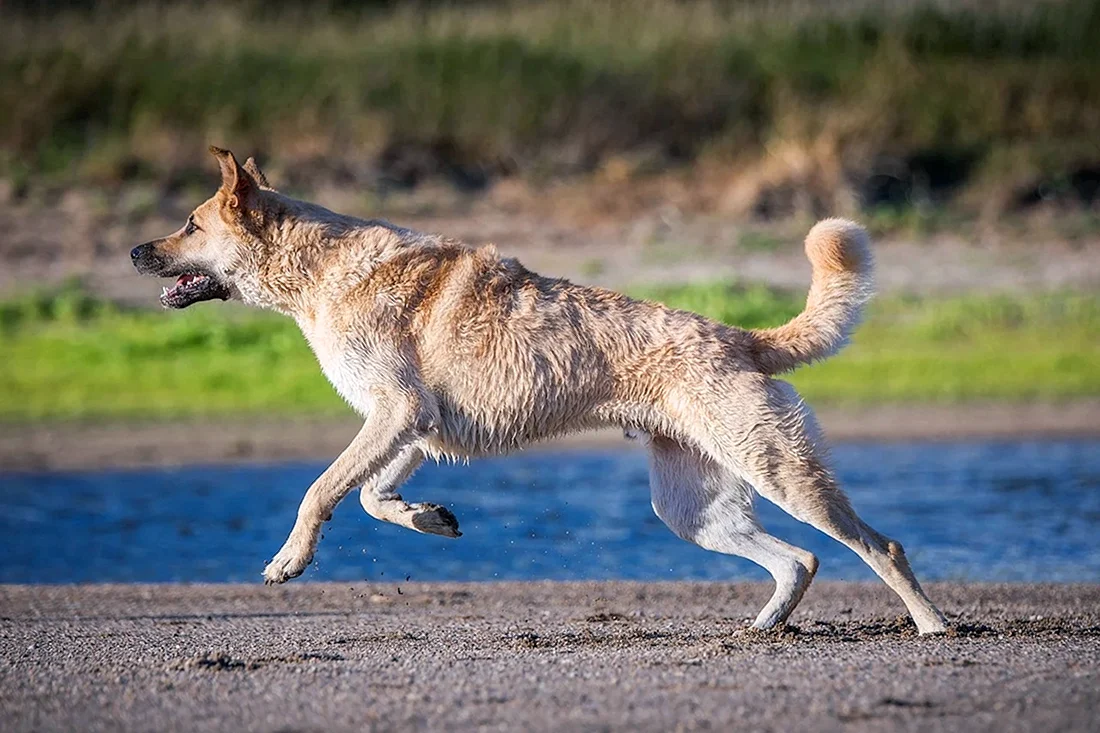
(1019, 511)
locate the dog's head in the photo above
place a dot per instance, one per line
(209, 254)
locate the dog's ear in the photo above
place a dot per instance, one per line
(236, 182)
(252, 169)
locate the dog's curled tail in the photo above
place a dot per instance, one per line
(840, 254)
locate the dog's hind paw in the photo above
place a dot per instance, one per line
(285, 565)
(434, 519)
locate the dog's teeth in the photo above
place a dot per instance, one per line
(163, 292)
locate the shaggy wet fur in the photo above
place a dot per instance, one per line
(449, 351)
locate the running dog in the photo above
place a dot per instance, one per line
(451, 351)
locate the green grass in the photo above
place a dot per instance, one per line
(68, 356)
(1003, 93)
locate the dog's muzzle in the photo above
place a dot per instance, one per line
(146, 260)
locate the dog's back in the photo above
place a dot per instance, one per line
(512, 356)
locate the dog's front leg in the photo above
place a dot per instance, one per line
(394, 425)
(380, 499)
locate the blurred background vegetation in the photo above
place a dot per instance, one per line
(69, 355)
(885, 102)
(919, 118)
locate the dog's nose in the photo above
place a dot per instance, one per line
(140, 251)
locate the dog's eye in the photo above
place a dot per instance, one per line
(190, 228)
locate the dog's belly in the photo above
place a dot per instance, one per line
(497, 405)
(465, 434)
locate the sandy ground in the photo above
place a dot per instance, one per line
(86, 446)
(542, 656)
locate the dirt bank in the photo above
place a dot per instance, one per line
(542, 656)
(616, 236)
(85, 446)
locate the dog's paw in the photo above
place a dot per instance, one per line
(287, 564)
(434, 519)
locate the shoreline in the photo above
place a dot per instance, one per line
(543, 656)
(61, 446)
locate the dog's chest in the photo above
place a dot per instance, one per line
(347, 374)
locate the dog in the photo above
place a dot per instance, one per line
(449, 351)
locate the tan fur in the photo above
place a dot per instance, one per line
(451, 352)
(841, 257)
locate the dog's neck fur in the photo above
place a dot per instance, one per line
(295, 247)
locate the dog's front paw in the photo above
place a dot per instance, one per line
(288, 563)
(434, 519)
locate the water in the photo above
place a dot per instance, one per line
(1017, 511)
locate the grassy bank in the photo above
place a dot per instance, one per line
(69, 356)
(893, 102)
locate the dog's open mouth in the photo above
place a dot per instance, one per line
(193, 287)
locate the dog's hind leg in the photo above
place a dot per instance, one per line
(830, 512)
(784, 462)
(704, 503)
(380, 499)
